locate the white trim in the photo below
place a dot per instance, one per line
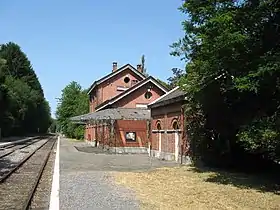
(176, 146)
(130, 91)
(163, 95)
(127, 66)
(121, 88)
(159, 142)
(171, 131)
(54, 201)
(141, 105)
(166, 131)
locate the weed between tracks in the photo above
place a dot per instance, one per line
(189, 188)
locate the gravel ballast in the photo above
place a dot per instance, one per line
(17, 188)
(9, 161)
(41, 197)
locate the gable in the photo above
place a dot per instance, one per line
(126, 67)
(140, 98)
(150, 80)
(172, 96)
(117, 84)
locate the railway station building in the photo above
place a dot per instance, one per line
(119, 117)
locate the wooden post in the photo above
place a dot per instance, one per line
(102, 136)
(148, 123)
(111, 131)
(96, 140)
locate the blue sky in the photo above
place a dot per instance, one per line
(78, 40)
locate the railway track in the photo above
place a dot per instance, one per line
(14, 147)
(19, 184)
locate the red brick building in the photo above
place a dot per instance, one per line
(118, 117)
(168, 135)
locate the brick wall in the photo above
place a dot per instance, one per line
(108, 89)
(138, 97)
(121, 127)
(138, 126)
(166, 116)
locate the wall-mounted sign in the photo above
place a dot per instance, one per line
(130, 136)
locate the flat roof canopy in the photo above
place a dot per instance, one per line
(114, 114)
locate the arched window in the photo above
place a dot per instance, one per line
(158, 125)
(175, 124)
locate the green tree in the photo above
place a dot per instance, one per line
(173, 81)
(165, 84)
(53, 128)
(143, 64)
(3, 99)
(73, 102)
(26, 109)
(232, 49)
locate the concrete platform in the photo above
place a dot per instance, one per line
(85, 180)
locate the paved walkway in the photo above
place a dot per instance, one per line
(86, 184)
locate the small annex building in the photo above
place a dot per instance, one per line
(119, 117)
(167, 133)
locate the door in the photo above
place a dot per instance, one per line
(176, 146)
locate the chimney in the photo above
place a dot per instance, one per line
(115, 66)
(139, 68)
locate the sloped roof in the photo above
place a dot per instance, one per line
(119, 70)
(130, 90)
(172, 96)
(115, 114)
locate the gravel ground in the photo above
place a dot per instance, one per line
(86, 183)
(93, 190)
(42, 196)
(13, 159)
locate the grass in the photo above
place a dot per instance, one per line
(192, 188)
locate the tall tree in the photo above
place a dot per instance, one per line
(27, 110)
(143, 64)
(3, 97)
(73, 102)
(232, 49)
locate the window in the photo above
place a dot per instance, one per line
(130, 136)
(175, 124)
(158, 125)
(126, 79)
(91, 97)
(148, 95)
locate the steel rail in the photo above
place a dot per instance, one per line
(38, 178)
(22, 147)
(4, 176)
